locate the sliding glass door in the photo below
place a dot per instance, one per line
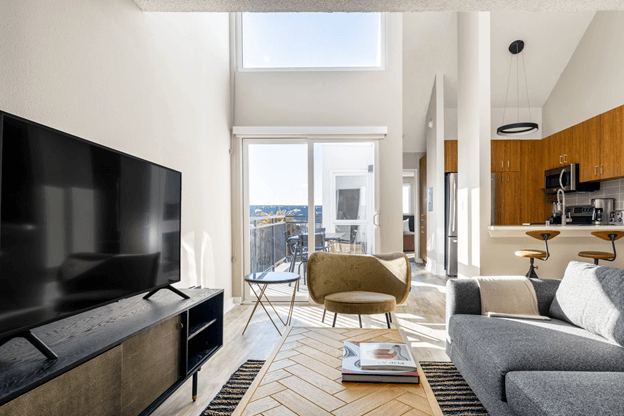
(292, 187)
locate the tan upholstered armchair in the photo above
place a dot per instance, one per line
(358, 284)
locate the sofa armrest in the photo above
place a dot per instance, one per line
(462, 298)
(545, 290)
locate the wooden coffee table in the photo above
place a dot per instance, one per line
(302, 377)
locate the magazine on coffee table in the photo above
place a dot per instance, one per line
(352, 367)
(386, 357)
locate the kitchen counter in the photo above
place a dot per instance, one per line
(566, 231)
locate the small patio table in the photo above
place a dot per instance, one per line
(263, 280)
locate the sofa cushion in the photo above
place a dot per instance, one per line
(495, 346)
(550, 393)
(592, 297)
(362, 303)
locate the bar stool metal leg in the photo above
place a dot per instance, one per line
(360, 318)
(531, 274)
(334, 323)
(324, 312)
(388, 321)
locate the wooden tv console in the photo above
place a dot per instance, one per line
(125, 358)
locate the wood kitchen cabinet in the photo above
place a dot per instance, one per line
(570, 147)
(531, 181)
(450, 156)
(612, 141)
(602, 139)
(518, 193)
(508, 198)
(561, 149)
(588, 133)
(505, 155)
(550, 147)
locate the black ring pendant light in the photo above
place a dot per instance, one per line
(518, 128)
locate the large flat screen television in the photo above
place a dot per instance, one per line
(82, 225)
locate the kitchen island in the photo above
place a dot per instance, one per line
(501, 231)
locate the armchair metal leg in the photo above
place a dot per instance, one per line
(324, 312)
(388, 320)
(334, 323)
(360, 318)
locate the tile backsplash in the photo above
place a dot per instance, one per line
(610, 189)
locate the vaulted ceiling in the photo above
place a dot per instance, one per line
(430, 46)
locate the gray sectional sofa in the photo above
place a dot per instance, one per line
(570, 365)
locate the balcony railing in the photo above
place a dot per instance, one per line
(268, 239)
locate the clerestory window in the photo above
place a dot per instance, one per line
(311, 41)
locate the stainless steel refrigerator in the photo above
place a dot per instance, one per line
(450, 223)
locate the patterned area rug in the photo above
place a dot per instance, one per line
(451, 390)
(233, 391)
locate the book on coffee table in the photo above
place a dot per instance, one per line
(389, 373)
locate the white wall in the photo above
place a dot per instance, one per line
(435, 177)
(411, 159)
(474, 128)
(155, 85)
(450, 122)
(592, 82)
(338, 98)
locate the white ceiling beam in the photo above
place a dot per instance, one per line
(375, 5)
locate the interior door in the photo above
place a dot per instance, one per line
(422, 177)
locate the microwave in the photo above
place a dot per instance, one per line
(567, 177)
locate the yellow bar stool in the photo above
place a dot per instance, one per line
(603, 255)
(533, 254)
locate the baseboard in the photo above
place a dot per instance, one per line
(229, 304)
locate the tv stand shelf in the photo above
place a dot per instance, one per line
(96, 333)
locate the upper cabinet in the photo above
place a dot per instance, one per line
(602, 139)
(505, 155)
(612, 141)
(588, 133)
(450, 156)
(561, 149)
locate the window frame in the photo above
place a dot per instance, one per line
(383, 28)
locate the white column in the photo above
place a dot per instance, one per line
(434, 133)
(473, 128)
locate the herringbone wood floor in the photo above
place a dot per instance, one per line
(421, 318)
(303, 378)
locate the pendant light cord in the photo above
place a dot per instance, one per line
(517, 84)
(507, 92)
(527, 86)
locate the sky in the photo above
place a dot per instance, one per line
(311, 40)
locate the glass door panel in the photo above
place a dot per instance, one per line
(344, 187)
(277, 211)
(342, 205)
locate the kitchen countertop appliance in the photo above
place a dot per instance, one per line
(603, 210)
(567, 177)
(580, 214)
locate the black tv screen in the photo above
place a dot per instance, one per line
(81, 225)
